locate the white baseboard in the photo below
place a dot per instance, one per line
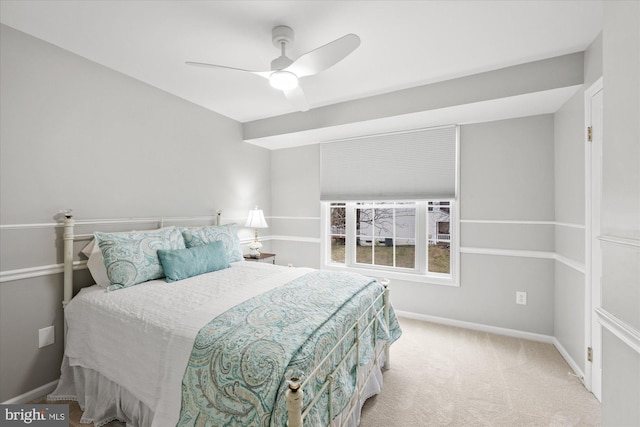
(477, 327)
(32, 395)
(572, 363)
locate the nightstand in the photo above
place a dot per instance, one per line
(264, 257)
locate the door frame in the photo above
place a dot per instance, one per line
(593, 338)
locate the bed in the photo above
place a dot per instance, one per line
(237, 344)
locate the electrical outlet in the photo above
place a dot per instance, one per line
(46, 336)
(521, 298)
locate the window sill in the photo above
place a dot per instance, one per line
(394, 275)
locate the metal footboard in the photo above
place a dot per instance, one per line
(295, 393)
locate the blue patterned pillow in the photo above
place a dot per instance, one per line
(131, 257)
(179, 264)
(228, 233)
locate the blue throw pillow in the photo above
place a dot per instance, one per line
(179, 264)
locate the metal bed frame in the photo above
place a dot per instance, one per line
(295, 394)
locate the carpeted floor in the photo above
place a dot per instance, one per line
(447, 376)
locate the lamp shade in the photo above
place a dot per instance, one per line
(256, 219)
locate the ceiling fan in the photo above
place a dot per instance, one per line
(285, 72)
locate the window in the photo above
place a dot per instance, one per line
(439, 237)
(412, 240)
(389, 204)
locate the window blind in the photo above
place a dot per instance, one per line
(411, 165)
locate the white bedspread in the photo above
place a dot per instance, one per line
(141, 337)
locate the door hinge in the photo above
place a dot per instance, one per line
(589, 134)
(589, 354)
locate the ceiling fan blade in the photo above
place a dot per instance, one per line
(264, 74)
(325, 56)
(297, 98)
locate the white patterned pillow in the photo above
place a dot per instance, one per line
(132, 257)
(95, 264)
(228, 233)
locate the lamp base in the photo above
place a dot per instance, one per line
(254, 249)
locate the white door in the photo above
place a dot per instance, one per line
(594, 195)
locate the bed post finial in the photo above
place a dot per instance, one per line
(218, 216)
(294, 397)
(67, 237)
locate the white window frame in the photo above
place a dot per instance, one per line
(420, 273)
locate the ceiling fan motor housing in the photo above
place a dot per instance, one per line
(282, 34)
(281, 37)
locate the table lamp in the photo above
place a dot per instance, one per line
(255, 220)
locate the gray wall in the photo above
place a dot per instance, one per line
(621, 213)
(506, 175)
(75, 134)
(295, 200)
(569, 157)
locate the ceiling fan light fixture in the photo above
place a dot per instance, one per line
(283, 80)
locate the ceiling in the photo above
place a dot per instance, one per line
(404, 44)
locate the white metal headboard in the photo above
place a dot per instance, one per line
(69, 237)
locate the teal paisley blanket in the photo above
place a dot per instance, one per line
(237, 372)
